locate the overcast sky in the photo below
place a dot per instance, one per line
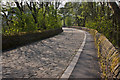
(62, 1)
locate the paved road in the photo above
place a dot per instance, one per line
(87, 65)
(43, 59)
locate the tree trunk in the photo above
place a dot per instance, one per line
(21, 11)
(116, 10)
(84, 21)
(64, 21)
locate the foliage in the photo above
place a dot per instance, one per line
(95, 15)
(103, 22)
(69, 21)
(29, 18)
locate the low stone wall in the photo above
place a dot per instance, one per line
(10, 42)
(109, 57)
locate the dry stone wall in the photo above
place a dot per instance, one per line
(108, 55)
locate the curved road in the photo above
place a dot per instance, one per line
(43, 59)
(87, 65)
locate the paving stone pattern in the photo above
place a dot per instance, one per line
(43, 59)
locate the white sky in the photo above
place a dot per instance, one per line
(61, 5)
(63, 0)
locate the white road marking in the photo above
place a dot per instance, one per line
(71, 66)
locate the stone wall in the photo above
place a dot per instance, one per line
(109, 57)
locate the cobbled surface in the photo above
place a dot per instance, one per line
(43, 59)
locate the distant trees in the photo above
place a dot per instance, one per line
(96, 15)
(74, 12)
(66, 12)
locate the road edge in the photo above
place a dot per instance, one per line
(71, 66)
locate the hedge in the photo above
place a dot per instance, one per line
(14, 41)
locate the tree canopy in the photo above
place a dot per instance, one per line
(30, 16)
(102, 16)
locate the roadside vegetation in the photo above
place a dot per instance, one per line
(104, 17)
(30, 17)
(27, 22)
(40, 16)
(101, 18)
